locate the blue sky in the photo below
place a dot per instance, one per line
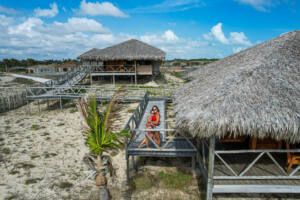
(183, 28)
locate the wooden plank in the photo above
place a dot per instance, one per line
(258, 151)
(257, 177)
(256, 189)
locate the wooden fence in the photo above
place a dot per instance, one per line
(12, 101)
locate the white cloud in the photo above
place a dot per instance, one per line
(235, 37)
(35, 38)
(175, 46)
(9, 11)
(5, 21)
(170, 36)
(208, 36)
(53, 11)
(97, 8)
(169, 6)
(239, 38)
(166, 37)
(75, 24)
(218, 33)
(27, 28)
(259, 4)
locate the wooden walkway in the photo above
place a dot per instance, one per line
(177, 147)
(172, 144)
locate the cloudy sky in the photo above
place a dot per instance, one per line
(183, 28)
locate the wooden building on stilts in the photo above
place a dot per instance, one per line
(244, 111)
(131, 58)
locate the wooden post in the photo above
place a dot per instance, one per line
(4, 104)
(60, 103)
(127, 161)
(193, 163)
(127, 168)
(47, 103)
(133, 164)
(211, 161)
(135, 77)
(39, 106)
(114, 79)
(91, 78)
(28, 107)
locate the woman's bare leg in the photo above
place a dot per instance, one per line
(157, 135)
(141, 144)
(147, 142)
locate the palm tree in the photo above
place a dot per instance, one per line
(98, 134)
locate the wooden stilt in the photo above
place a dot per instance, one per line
(133, 164)
(39, 106)
(114, 79)
(28, 107)
(91, 79)
(47, 103)
(135, 77)
(60, 103)
(193, 163)
(127, 161)
(211, 161)
(127, 168)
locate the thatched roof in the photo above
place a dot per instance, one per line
(255, 92)
(128, 50)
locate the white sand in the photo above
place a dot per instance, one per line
(172, 78)
(53, 154)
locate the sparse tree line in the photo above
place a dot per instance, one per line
(190, 62)
(12, 62)
(8, 63)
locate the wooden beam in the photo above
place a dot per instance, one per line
(135, 71)
(211, 161)
(256, 189)
(60, 103)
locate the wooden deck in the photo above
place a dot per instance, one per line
(171, 145)
(178, 147)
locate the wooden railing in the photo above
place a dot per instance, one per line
(113, 68)
(71, 77)
(245, 164)
(101, 92)
(137, 115)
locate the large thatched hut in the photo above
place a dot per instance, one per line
(254, 93)
(129, 58)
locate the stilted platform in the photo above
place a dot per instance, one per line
(172, 143)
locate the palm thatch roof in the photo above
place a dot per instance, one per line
(128, 50)
(255, 92)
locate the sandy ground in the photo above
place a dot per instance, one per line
(171, 78)
(5, 79)
(42, 154)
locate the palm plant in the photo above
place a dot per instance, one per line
(99, 136)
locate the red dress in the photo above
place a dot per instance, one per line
(154, 118)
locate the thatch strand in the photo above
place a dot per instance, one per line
(128, 50)
(255, 92)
